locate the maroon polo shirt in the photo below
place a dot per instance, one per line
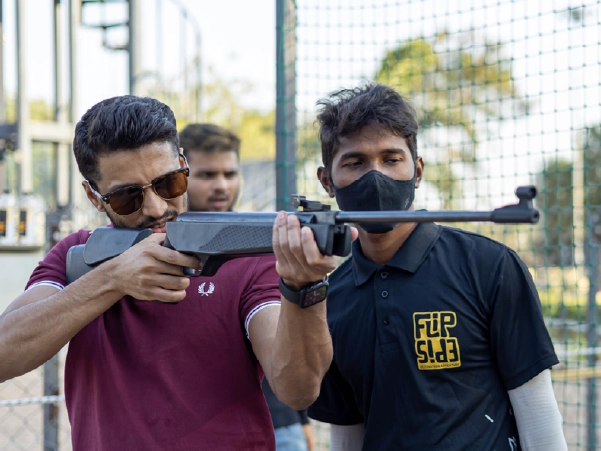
(152, 376)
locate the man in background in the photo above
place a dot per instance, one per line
(213, 157)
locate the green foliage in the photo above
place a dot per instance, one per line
(223, 104)
(555, 200)
(309, 148)
(449, 86)
(592, 169)
(456, 84)
(39, 110)
(257, 131)
(221, 100)
(556, 242)
(565, 303)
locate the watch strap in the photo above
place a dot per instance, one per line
(298, 296)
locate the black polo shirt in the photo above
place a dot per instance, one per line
(426, 346)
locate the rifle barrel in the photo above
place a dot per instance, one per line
(227, 216)
(511, 214)
(370, 217)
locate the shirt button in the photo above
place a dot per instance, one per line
(383, 274)
(386, 322)
(384, 294)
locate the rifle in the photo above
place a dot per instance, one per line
(216, 237)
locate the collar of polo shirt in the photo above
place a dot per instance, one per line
(409, 257)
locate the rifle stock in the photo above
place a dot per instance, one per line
(216, 237)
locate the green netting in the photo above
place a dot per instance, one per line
(508, 93)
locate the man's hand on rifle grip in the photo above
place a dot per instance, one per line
(299, 261)
(148, 271)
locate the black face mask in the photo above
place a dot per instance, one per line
(375, 191)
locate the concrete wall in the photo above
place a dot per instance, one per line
(15, 269)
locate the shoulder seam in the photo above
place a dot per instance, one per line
(474, 234)
(494, 271)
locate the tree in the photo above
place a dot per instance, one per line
(457, 84)
(555, 200)
(39, 110)
(224, 103)
(556, 203)
(223, 100)
(257, 131)
(591, 152)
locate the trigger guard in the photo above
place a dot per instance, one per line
(191, 272)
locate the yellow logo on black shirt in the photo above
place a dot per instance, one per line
(435, 347)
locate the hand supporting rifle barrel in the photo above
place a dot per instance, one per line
(216, 237)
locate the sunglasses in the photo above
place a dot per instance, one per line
(129, 199)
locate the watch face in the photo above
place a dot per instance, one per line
(315, 296)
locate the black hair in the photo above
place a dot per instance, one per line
(121, 123)
(373, 104)
(208, 138)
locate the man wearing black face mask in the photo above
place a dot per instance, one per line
(375, 191)
(439, 340)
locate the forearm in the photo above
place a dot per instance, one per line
(537, 415)
(309, 436)
(301, 354)
(346, 438)
(32, 331)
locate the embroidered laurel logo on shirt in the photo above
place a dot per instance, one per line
(201, 289)
(435, 347)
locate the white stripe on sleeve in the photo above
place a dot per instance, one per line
(48, 284)
(255, 310)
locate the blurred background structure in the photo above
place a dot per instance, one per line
(508, 93)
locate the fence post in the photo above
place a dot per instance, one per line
(285, 122)
(51, 388)
(592, 259)
(51, 373)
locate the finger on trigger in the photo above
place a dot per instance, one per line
(158, 238)
(192, 261)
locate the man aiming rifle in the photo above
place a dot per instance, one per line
(143, 375)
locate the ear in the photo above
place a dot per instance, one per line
(92, 197)
(419, 171)
(322, 175)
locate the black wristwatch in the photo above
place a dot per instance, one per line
(309, 295)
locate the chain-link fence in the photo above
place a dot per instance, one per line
(508, 92)
(28, 419)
